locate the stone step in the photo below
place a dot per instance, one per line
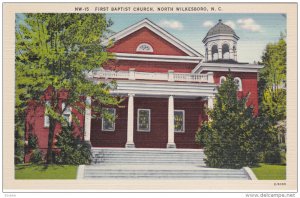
(164, 172)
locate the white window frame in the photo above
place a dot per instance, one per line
(138, 118)
(183, 121)
(240, 86)
(68, 112)
(46, 117)
(222, 78)
(114, 123)
(138, 49)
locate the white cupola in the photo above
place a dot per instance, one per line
(220, 43)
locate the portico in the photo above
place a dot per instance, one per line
(168, 90)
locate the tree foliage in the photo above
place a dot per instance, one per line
(233, 136)
(57, 50)
(272, 81)
(71, 149)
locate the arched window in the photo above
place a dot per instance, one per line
(222, 79)
(144, 47)
(214, 52)
(238, 82)
(225, 51)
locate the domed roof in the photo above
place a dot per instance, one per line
(220, 28)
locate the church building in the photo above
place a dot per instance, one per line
(167, 85)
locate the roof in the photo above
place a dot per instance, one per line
(220, 28)
(157, 30)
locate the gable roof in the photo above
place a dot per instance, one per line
(157, 30)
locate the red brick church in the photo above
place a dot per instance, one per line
(167, 86)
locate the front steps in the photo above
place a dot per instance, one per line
(147, 156)
(121, 163)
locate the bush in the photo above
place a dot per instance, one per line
(72, 150)
(32, 141)
(233, 137)
(273, 157)
(36, 156)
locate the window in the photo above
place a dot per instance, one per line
(238, 82)
(46, 117)
(108, 123)
(67, 114)
(144, 47)
(179, 121)
(143, 120)
(222, 79)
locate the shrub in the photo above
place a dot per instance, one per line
(72, 150)
(32, 141)
(233, 137)
(36, 156)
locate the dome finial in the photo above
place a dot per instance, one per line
(220, 20)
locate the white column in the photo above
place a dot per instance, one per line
(171, 143)
(210, 102)
(210, 77)
(209, 56)
(220, 53)
(130, 122)
(231, 54)
(87, 119)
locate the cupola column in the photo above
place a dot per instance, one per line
(220, 53)
(231, 54)
(209, 57)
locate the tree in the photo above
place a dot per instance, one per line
(233, 136)
(272, 81)
(56, 51)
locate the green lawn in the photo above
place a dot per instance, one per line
(45, 172)
(270, 172)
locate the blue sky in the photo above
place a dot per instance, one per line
(255, 30)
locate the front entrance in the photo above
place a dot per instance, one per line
(150, 129)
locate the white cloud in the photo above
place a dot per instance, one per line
(208, 24)
(249, 24)
(230, 24)
(173, 24)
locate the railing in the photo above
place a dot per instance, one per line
(170, 76)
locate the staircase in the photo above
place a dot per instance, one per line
(147, 156)
(121, 163)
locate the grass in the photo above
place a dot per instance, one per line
(30, 171)
(270, 172)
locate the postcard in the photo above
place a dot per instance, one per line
(180, 97)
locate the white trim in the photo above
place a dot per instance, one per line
(157, 58)
(240, 85)
(157, 30)
(249, 173)
(138, 118)
(139, 47)
(46, 117)
(68, 112)
(80, 172)
(114, 123)
(225, 67)
(222, 78)
(183, 121)
(152, 88)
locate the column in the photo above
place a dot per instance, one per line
(209, 56)
(220, 53)
(87, 119)
(130, 122)
(171, 143)
(210, 77)
(210, 102)
(231, 54)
